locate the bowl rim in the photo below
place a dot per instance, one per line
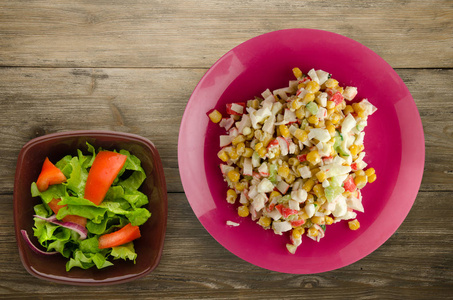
(160, 184)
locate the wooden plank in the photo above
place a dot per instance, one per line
(186, 33)
(151, 102)
(415, 262)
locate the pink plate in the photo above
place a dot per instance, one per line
(394, 144)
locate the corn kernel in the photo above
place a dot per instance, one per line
(331, 129)
(223, 155)
(243, 211)
(301, 135)
(308, 185)
(312, 231)
(354, 224)
(321, 176)
(348, 109)
(313, 120)
(240, 186)
(360, 181)
(318, 190)
(361, 114)
(293, 161)
(320, 124)
(297, 233)
(331, 83)
(301, 85)
(233, 153)
(240, 148)
(296, 103)
(215, 116)
(258, 146)
(369, 172)
(234, 175)
(313, 157)
(255, 103)
(274, 194)
(300, 113)
(321, 200)
(264, 221)
(290, 178)
(358, 107)
(284, 130)
(318, 220)
(308, 98)
(354, 149)
(359, 173)
(231, 196)
(312, 87)
(372, 178)
(328, 220)
(297, 73)
(361, 148)
(238, 139)
(262, 152)
(248, 152)
(335, 118)
(283, 171)
(330, 105)
(341, 106)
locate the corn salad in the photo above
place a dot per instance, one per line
(294, 157)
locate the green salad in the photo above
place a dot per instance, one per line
(92, 213)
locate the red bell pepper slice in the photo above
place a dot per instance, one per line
(349, 184)
(55, 207)
(103, 172)
(125, 235)
(49, 175)
(337, 98)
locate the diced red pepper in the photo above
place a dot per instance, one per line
(103, 172)
(349, 184)
(297, 223)
(55, 207)
(49, 175)
(337, 98)
(233, 112)
(125, 235)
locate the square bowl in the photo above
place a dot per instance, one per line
(54, 146)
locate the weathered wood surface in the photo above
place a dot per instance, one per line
(131, 66)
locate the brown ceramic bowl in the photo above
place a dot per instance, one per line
(55, 146)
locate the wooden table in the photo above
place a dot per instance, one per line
(131, 66)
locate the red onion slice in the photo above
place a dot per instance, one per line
(32, 246)
(82, 231)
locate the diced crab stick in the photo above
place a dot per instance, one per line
(284, 145)
(247, 167)
(321, 232)
(349, 184)
(226, 123)
(285, 211)
(282, 187)
(302, 157)
(225, 169)
(236, 108)
(225, 140)
(297, 223)
(337, 98)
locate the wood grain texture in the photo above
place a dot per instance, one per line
(407, 265)
(151, 102)
(131, 66)
(190, 33)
